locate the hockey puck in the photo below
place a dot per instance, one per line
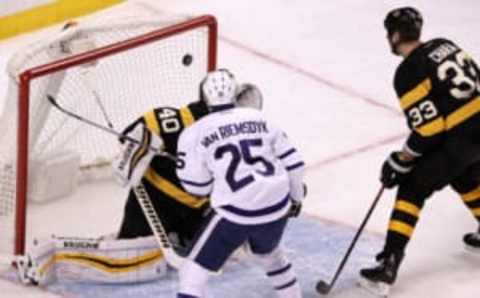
(187, 60)
(323, 287)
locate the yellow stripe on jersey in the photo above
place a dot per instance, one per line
(173, 191)
(416, 94)
(407, 207)
(471, 196)
(453, 119)
(463, 113)
(431, 128)
(187, 116)
(152, 122)
(106, 264)
(401, 228)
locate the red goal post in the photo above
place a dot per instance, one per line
(71, 67)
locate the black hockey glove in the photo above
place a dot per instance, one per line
(296, 206)
(394, 170)
(295, 209)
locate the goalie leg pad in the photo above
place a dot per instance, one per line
(87, 260)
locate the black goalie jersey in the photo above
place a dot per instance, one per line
(179, 211)
(438, 86)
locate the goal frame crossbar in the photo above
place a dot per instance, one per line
(27, 76)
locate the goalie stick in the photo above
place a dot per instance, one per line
(322, 286)
(156, 225)
(54, 102)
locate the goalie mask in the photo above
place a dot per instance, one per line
(218, 90)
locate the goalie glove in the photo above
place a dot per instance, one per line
(134, 158)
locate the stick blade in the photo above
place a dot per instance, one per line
(322, 287)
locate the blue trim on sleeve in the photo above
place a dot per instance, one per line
(289, 152)
(294, 166)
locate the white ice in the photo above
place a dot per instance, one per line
(326, 72)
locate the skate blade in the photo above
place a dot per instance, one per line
(379, 289)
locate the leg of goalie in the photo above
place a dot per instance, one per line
(85, 260)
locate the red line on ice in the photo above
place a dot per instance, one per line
(341, 88)
(315, 77)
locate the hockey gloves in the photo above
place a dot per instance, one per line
(295, 209)
(296, 206)
(135, 157)
(394, 170)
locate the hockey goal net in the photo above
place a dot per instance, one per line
(110, 71)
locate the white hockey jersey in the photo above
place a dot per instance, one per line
(246, 165)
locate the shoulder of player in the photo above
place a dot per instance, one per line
(158, 110)
(415, 68)
(197, 108)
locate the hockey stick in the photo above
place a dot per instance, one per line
(156, 225)
(324, 287)
(54, 102)
(85, 75)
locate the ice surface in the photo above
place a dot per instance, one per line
(326, 70)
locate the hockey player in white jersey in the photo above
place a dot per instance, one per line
(254, 178)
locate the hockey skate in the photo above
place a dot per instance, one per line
(472, 242)
(378, 280)
(27, 270)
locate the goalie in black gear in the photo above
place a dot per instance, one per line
(133, 254)
(180, 212)
(438, 85)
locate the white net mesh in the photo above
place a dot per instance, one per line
(118, 88)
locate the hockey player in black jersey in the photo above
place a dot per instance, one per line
(438, 85)
(180, 212)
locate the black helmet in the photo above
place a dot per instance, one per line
(407, 21)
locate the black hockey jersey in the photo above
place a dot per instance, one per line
(179, 211)
(438, 85)
(168, 123)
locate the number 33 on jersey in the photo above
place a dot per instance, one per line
(439, 86)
